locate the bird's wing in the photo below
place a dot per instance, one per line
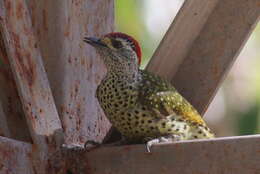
(161, 97)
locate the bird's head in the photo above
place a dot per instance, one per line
(120, 52)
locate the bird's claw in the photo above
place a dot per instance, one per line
(159, 140)
(150, 143)
(90, 145)
(72, 147)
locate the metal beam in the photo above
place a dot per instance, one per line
(231, 155)
(180, 36)
(31, 80)
(73, 68)
(12, 116)
(202, 44)
(238, 155)
(15, 157)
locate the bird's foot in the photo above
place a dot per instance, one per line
(72, 147)
(164, 139)
(91, 144)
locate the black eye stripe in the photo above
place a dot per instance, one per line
(116, 43)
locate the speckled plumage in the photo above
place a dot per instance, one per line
(148, 108)
(141, 105)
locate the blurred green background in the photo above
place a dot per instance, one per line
(236, 108)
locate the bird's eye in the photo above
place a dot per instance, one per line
(117, 44)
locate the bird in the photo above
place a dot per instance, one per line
(142, 106)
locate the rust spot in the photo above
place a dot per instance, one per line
(30, 70)
(67, 28)
(9, 7)
(90, 64)
(19, 10)
(76, 89)
(27, 71)
(40, 110)
(62, 109)
(26, 108)
(33, 12)
(78, 123)
(69, 59)
(83, 62)
(77, 3)
(44, 20)
(3, 53)
(66, 33)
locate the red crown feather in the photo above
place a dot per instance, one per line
(135, 45)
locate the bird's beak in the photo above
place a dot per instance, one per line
(94, 41)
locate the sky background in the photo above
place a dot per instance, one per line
(236, 108)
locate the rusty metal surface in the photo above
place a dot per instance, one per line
(11, 105)
(197, 61)
(215, 50)
(33, 87)
(30, 76)
(15, 157)
(231, 155)
(73, 68)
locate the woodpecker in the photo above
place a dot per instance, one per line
(143, 107)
